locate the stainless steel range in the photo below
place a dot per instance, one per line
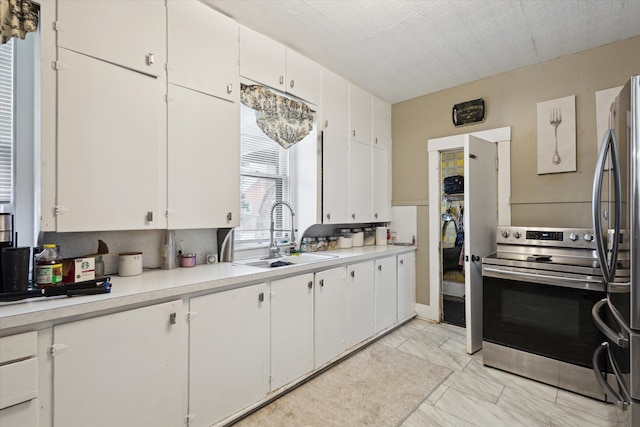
(539, 289)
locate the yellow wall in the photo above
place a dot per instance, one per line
(536, 200)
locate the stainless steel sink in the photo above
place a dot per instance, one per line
(304, 258)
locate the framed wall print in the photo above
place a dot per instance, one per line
(557, 135)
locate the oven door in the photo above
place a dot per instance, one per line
(543, 319)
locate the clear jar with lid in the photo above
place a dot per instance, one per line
(332, 242)
(309, 244)
(344, 240)
(48, 267)
(357, 237)
(369, 236)
(322, 244)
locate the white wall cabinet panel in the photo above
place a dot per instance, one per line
(102, 29)
(120, 369)
(360, 302)
(111, 160)
(291, 329)
(22, 415)
(228, 353)
(360, 185)
(330, 315)
(335, 148)
(204, 160)
(202, 49)
(386, 293)
(303, 77)
(262, 59)
(381, 124)
(381, 183)
(406, 285)
(359, 115)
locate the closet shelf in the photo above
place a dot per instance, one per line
(455, 196)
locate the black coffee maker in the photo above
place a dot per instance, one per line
(14, 261)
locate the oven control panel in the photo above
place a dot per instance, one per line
(538, 236)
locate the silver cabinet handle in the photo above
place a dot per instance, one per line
(172, 319)
(151, 59)
(329, 216)
(401, 262)
(310, 284)
(380, 267)
(376, 215)
(261, 297)
(353, 133)
(322, 283)
(353, 216)
(281, 80)
(229, 88)
(292, 83)
(229, 216)
(376, 140)
(326, 123)
(150, 216)
(353, 273)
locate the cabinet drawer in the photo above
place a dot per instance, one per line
(19, 382)
(16, 347)
(22, 415)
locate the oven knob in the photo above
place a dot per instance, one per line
(573, 237)
(505, 233)
(588, 237)
(517, 234)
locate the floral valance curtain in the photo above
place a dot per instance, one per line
(282, 119)
(17, 18)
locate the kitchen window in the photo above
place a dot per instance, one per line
(7, 107)
(264, 180)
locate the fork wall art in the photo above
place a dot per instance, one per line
(557, 135)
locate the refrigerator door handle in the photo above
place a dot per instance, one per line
(613, 336)
(608, 144)
(622, 399)
(619, 288)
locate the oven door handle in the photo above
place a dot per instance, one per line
(613, 336)
(540, 276)
(620, 400)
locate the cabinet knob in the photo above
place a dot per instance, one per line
(376, 215)
(229, 216)
(402, 262)
(310, 284)
(281, 80)
(151, 59)
(353, 273)
(353, 216)
(292, 84)
(376, 140)
(261, 297)
(353, 133)
(172, 319)
(230, 88)
(329, 216)
(321, 282)
(380, 267)
(150, 216)
(326, 123)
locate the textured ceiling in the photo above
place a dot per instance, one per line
(399, 50)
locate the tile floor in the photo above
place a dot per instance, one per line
(475, 395)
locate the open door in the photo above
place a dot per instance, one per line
(480, 221)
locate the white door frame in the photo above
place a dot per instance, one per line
(502, 137)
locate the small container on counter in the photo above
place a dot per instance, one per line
(309, 244)
(48, 267)
(332, 242)
(322, 244)
(188, 260)
(357, 237)
(345, 241)
(381, 236)
(369, 236)
(129, 264)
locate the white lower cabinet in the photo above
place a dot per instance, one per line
(330, 315)
(291, 329)
(406, 285)
(228, 353)
(386, 293)
(122, 369)
(360, 302)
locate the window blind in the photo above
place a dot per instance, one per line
(6, 122)
(264, 180)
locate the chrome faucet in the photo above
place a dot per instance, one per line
(274, 250)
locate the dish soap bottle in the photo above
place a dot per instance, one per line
(48, 267)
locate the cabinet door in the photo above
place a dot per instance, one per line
(228, 353)
(335, 148)
(381, 124)
(291, 329)
(386, 293)
(303, 77)
(111, 160)
(381, 185)
(202, 49)
(359, 115)
(103, 29)
(204, 160)
(360, 302)
(330, 317)
(262, 59)
(120, 369)
(359, 182)
(406, 285)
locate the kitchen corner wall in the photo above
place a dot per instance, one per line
(552, 200)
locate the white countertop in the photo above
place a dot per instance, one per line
(154, 286)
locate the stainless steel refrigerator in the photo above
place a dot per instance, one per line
(616, 207)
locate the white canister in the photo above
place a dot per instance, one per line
(381, 236)
(130, 264)
(357, 235)
(345, 242)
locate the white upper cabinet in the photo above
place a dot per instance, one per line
(266, 61)
(359, 115)
(111, 159)
(203, 154)
(334, 125)
(381, 185)
(202, 49)
(360, 185)
(381, 124)
(131, 34)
